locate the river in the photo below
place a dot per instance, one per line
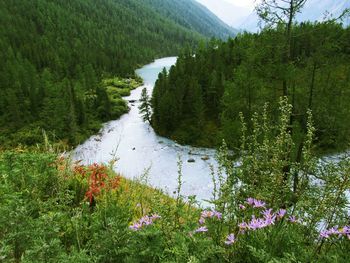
(139, 149)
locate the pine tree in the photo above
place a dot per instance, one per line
(145, 106)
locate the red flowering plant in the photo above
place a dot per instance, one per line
(97, 180)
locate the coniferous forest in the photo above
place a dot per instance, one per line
(199, 100)
(55, 53)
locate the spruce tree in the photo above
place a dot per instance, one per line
(145, 106)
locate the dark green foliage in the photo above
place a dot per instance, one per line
(145, 106)
(191, 14)
(54, 53)
(244, 73)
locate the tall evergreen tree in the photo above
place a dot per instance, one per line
(145, 106)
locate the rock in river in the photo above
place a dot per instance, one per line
(205, 158)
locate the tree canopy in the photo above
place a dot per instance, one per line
(199, 100)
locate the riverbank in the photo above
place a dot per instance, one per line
(140, 150)
(55, 210)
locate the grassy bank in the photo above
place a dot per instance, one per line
(53, 210)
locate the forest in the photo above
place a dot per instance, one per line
(199, 100)
(54, 55)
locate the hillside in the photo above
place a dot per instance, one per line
(199, 100)
(54, 54)
(53, 210)
(192, 15)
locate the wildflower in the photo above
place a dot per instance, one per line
(201, 229)
(242, 207)
(329, 232)
(209, 214)
(243, 226)
(345, 231)
(269, 217)
(144, 221)
(293, 219)
(255, 202)
(258, 204)
(136, 226)
(257, 223)
(281, 213)
(250, 201)
(217, 214)
(230, 239)
(324, 234)
(155, 217)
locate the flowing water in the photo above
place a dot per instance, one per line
(139, 149)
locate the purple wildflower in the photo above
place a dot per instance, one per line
(250, 201)
(257, 223)
(217, 214)
(210, 214)
(230, 239)
(242, 207)
(255, 202)
(201, 229)
(259, 204)
(345, 230)
(324, 234)
(243, 227)
(269, 217)
(206, 214)
(281, 213)
(201, 220)
(293, 219)
(332, 231)
(136, 226)
(144, 221)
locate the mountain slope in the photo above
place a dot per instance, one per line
(192, 15)
(54, 53)
(229, 13)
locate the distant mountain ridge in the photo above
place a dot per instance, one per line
(194, 16)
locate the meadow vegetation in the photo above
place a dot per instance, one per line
(265, 207)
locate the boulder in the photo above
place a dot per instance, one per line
(205, 158)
